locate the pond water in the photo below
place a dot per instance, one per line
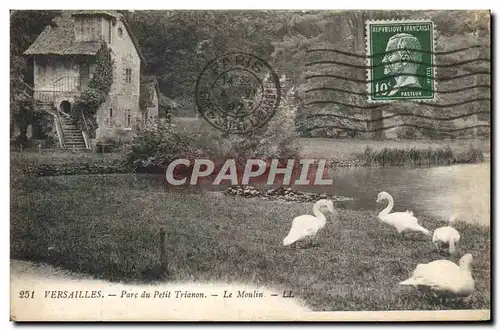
(438, 192)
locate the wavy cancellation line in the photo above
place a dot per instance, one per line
(416, 89)
(357, 66)
(376, 106)
(364, 56)
(396, 126)
(436, 118)
(442, 79)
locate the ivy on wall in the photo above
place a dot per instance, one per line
(95, 94)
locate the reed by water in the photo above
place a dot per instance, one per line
(419, 157)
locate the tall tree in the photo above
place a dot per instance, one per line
(25, 26)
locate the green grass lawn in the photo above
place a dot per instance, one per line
(342, 150)
(108, 225)
(62, 157)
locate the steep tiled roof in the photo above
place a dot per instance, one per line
(146, 96)
(58, 38)
(148, 83)
(96, 12)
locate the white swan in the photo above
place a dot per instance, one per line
(446, 237)
(444, 278)
(306, 226)
(402, 221)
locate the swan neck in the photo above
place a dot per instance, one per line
(318, 213)
(465, 267)
(389, 207)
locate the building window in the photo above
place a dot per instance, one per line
(128, 75)
(109, 32)
(86, 29)
(128, 118)
(41, 69)
(109, 120)
(120, 32)
(87, 23)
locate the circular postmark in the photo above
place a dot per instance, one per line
(238, 92)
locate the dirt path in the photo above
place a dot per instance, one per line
(53, 288)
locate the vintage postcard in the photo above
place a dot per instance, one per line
(265, 165)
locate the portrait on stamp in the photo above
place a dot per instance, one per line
(400, 60)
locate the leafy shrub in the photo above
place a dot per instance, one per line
(45, 122)
(107, 145)
(162, 142)
(159, 143)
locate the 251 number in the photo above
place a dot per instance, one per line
(26, 294)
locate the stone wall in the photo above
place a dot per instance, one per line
(123, 100)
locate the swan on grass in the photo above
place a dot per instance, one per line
(444, 278)
(446, 237)
(402, 221)
(306, 226)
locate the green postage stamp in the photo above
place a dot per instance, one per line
(400, 60)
